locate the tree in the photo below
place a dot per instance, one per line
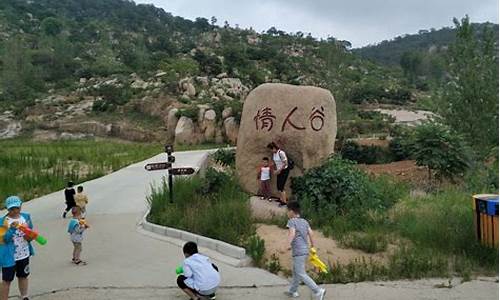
(19, 77)
(440, 149)
(469, 102)
(52, 26)
(213, 20)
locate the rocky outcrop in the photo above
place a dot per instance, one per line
(9, 127)
(185, 131)
(231, 128)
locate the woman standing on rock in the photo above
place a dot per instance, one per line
(281, 166)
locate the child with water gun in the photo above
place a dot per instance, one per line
(76, 227)
(299, 236)
(16, 234)
(198, 277)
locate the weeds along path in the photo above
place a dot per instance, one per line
(118, 255)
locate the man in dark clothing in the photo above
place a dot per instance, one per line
(69, 195)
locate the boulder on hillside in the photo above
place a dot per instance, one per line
(302, 120)
(231, 128)
(185, 132)
(209, 125)
(171, 124)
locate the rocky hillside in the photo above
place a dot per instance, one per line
(112, 68)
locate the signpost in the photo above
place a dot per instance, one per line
(167, 165)
(181, 171)
(158, 166)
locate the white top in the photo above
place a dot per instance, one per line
(265, 173)
(22, 247)
(200, 273)
(279, 159)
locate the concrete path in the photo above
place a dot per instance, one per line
(123, 263)
(118, 255)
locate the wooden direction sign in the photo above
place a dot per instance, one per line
(158, 166)
(181, 171)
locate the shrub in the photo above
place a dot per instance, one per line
(363, 154)
(256, 248)
(274, 265)
(221, 213)
(400, 144)
(214, 181)
(441, 150)
(337, 188)
(226, 157)
(190, 112)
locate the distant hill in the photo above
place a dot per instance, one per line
(390, 52)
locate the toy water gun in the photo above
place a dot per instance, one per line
(31, 234)
(83, 223)
(315, 261)
(179, 270)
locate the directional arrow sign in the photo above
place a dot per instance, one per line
(181, 171)
(157, 166)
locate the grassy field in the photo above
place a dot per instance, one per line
(31, 169)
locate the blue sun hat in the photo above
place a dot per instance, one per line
(13, 201)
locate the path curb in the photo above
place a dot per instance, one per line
(221, 247)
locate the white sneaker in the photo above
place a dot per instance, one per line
(292, 295)
(320, 295)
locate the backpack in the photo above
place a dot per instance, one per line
(291, 163)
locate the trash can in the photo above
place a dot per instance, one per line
(485, 207)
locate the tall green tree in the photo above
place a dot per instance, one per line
(19, 79)
(470, 99)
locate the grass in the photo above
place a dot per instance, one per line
(370, 242)
(31, 169)
(214, 206)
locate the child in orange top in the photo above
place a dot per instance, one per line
(264, 178)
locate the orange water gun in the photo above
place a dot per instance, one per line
(315, 261)
(83, 223)
(32, 234)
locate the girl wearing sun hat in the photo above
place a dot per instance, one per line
(15, 248)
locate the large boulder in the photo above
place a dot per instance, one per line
(231, 128)
(209, 125)
(301, 119)
(171, 123)
(184, 131)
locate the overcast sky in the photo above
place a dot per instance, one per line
(361, 22)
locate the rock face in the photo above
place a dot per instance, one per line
(9, 128)
(171, 123)
(184, 131)
(302, 120)
(231, 129)
(209, 125)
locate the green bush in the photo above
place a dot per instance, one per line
(440, 149)
(222, 213)
(226, 157)
(400, 143)
(274, 265)
(363, 154)
(338, 187)
(190, 112)
(214, 181)
(256, 248)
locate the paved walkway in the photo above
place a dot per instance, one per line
(126, 264)
(118, 255)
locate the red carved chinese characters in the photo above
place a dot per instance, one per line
(266, 119)
(287, 120)
(317, 118)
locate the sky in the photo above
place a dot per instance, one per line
(361, 22)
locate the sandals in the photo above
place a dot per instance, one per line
(79, 262)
